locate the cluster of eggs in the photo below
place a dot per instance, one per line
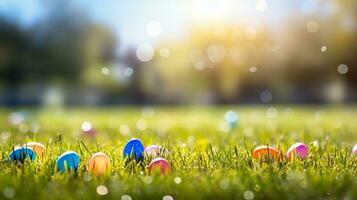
(99, 162)
(134, 150)
(298, 150)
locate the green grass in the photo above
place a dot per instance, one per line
(208, 161)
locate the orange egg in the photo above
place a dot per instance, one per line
(99, 164)
(263, 151)
(37, 147)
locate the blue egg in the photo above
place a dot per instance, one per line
(231, 118)
(68, 161)
(134, 149)
(22, 153)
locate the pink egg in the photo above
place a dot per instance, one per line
(354, 149)
(155, 150)
(159, 165)
(298, 149)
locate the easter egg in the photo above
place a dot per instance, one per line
(159, 165)
(231, 118)
(22, 153)
(263, 151)
(37, 147)
(98, 163)
(68, 161)
(155, 150)
(300, 150)
(134, 149)
(354, 149)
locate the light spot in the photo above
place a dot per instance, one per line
(266, 96)
(147, 112)
(216, 53)
(253, 69)
(126, 197)
(87, 178)
(5, 135)
(323, 49)
(261, 5)
(200, 65)
(16, 118)
(164, 52)
(248, 195)
(178, 180)
(145, 52)
(272, 112)
(342, 68)
(231, 117)
(124, 129)
(147, 179)
(86, 126)
(153, 28)
(24, 128)
(128, 71)
(9, 192)
(167, 197)
(141, 124)
(224, 184)
(102, 190)
(312, 26)
(105, 71)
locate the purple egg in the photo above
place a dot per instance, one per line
(354, 149)
(300, 150)
(155, 150)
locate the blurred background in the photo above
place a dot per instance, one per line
(111, 52)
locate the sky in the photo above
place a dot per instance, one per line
(144, 21)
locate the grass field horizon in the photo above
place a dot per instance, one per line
(208, 159)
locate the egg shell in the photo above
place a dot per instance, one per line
(300, 150)
(263, 151)
(155, 150)
(134, 149)
(159, 165)
(22, 153)
(354, 149)
(37, 147)
(68, 161)
(98, 164)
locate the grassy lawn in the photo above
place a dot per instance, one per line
(208, 160)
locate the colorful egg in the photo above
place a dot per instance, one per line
(155, 150)
(354, 149)
(231, 118)
(37, 147)
(68, 161)
(99, 164)
(22, 153)
(159, 165)
(300, 150)
(263, 151)
(88, 129)
(134, 149)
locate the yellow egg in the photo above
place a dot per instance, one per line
(98, 164)
(37, 147)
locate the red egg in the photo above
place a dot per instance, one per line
(263, 151)
(159, 165)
